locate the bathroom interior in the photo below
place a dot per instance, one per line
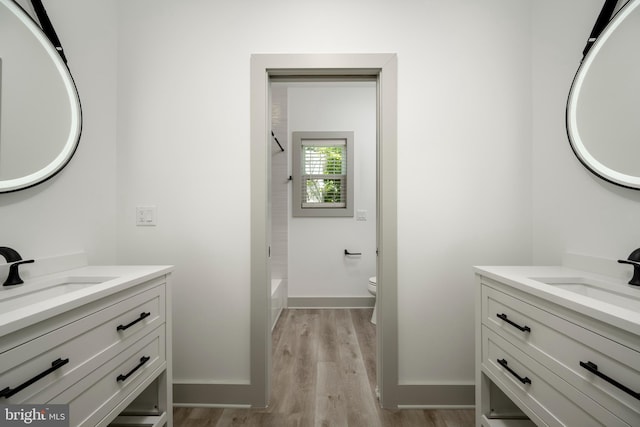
(309, 265)
(156, 204)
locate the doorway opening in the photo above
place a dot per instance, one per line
(382, 69)
(323, 191)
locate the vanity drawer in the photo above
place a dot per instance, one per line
(79, 348)
(566, 349)
(551, 398)
(94, 397)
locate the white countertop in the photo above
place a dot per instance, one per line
(523, 278)
(114, 279)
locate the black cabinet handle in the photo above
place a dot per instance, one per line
(56, 364)
(143, 360)
(347, 253)
(512, 323)
(524, 380)
(593, 368)
(142, 317)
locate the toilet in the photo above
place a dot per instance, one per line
(372, 290)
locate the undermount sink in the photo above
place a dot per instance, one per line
(623, 297)
(12, 299)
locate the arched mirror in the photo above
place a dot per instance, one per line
(603, 110)
(40, 115)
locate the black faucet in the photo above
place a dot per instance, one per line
(633, 259)
(12, 257)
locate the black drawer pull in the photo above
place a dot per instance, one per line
(512, 323)
(142, 317)
(524, 380)
(56, 364)
(593, 368)
(143, 360)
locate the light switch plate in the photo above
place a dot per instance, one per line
(146, 216)
(361, 215)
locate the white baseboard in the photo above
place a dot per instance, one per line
(432, 396)
(330, 302)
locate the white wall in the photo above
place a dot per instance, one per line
(75, 210)
(464, 175)
(464, 158)
(574, 211)
(317, 265)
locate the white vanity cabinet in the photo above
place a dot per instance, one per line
(107, 354)
(540, 362)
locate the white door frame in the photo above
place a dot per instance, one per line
(384, 68)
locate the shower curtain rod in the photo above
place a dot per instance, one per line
(277, 142)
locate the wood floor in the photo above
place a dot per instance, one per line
(324, 375)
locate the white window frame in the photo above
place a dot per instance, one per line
(301, 209)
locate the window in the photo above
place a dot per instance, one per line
(322, 173)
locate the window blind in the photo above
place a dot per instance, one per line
(324, 177)
(322, 173)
